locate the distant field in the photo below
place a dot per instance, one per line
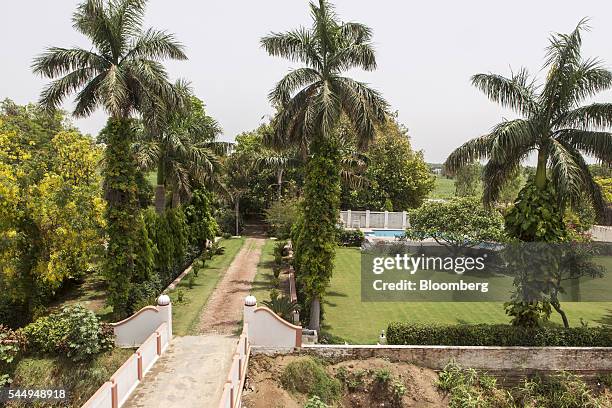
(444, 188)
(361, 322)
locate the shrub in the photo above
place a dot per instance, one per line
(315, 402)
(11, 343)
(281, 305)
(226, 235)
(191, 281)
(144, 293)
(350, 238)
(308, 376)
(498, 335)
(281, 216)
(74, 332)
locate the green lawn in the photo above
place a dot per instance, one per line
(444, 188)
(262, 284)
(186, 314)
(361, 322)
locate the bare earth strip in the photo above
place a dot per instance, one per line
(223, 312)
(193, 370)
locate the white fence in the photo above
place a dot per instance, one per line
(601, 233)
(151, 328)
(374, 219)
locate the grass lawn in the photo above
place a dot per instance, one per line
(186, 314)
(80, 380)
(443, 188)
(361, 322)
(262, 284)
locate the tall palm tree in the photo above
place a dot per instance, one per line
(554, 124)
(311, 100)
(120, 73)
(181, 146)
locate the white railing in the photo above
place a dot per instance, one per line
(151, 329)
(374, 219)
(232, 390)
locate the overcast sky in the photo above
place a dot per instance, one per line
(426, 53)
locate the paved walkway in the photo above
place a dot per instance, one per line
(192, 372)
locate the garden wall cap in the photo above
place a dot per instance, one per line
(163, 300)
(250, 300)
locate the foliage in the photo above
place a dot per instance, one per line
(498, 335)
(606, 187)
(125, 226)
(396, 177)
(468, 388)
(535, 216)
(51, 212)
(11, 344)
(314, 246)
(311, 101)
(281, 305)
(315, 402)
(350, 238)
(281, 215)
(468, 180)
(179, 143)
(308, 376)
(198, 215)
(74, 332)
(459, 222)
(527, 314)
(552, 122)
(279, 251)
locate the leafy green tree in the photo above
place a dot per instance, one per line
(467, 180)
(457, 223)
(396, 177)
(554, 124)
(122, 74)
(311, 101)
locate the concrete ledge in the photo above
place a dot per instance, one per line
(582, 360)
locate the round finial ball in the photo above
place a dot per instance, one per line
(250, 301)
(163, 300)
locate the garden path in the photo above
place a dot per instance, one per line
(193, 370)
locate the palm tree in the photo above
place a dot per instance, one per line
(554, 124)
(278, 161)
(311, 101)
(122, 74)
(180, 145)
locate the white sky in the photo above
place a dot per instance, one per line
(426, 52)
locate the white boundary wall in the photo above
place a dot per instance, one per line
(601, 233)
(365, 219)
(135, 331)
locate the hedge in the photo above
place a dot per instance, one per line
(497, 335)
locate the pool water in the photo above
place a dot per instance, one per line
(385, 233)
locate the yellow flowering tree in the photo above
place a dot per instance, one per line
(51, 208)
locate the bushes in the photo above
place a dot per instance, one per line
(308, 377)
(74, 332)
(198, 215)
(11, 343)
(498, 335)
(350, 238)
(281, 216)
(468, 388)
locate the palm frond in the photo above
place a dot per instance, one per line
(291, 82)
(473, 150)
(516, 93)
(596, 144)
(566, 174)
(593, 116)
(297, 45)
(157, 45)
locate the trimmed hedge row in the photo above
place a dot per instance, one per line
(497, 335)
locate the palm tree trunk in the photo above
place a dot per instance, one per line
(237, 212)
(279, 180)
(176, 199)
(540, 176)
(160, 189)
(315, 314)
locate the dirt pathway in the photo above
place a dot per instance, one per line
(223, 312)
(192, 372)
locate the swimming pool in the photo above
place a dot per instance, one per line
(385, 233)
